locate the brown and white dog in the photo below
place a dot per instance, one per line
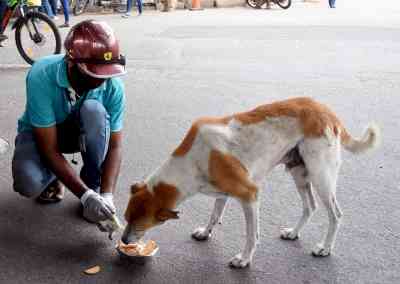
(231, 156)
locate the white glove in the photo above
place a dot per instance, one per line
(113, 224)
(95, 207)
(109, 199)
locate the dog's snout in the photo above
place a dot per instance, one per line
(126, 236)
(130, 235)
(125, 240)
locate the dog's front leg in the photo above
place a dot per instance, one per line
(251, 213)
(203, 233)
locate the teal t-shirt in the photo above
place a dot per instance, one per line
(47, 102)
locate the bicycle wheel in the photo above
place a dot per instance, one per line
(37, 36)
(284, 4)
(252, 3)
(80, 6)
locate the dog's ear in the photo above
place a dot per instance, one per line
(137, 186)
(166, 214)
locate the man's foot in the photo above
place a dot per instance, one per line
(65, 25)
(126, 15)
(53, 193)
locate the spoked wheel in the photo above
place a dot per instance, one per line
(37, 36)
(284, 4)
(253, 3)
(80, 6)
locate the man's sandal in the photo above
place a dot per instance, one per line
(53, 193)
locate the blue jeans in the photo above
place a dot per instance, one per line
(138, 4)
(46, 8)
(65, 6)
(53, 6)
(31, 175)
(3, 7)
(332, 3)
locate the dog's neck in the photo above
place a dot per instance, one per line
(176, 172)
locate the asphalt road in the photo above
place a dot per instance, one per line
(184, 65)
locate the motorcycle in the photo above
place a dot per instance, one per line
(256, 4)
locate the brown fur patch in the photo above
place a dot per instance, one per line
(188, 141)
(313, 116)
(230, 176)
(146, 209)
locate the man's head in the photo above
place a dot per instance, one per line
(149, 207)
(92, 53)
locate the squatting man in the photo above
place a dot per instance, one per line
(74, 104)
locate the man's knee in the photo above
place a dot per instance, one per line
(28, 185)
(95, 125)
(93, 114)
(30, 177)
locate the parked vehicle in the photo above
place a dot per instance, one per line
(36, 35)
(78, 6)
(284, 4)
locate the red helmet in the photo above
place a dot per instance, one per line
(93, 46)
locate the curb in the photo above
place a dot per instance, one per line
(14, 66)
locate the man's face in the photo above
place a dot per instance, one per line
(80, 81)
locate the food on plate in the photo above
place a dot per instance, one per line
(137, 249)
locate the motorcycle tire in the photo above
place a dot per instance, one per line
(284, 4)
(252, 4)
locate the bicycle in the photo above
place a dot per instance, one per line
(34, 31)
(284, 4)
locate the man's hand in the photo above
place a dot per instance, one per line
(113, 224)
(96, 208)
(109, 199)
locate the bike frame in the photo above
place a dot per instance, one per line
(12, 5)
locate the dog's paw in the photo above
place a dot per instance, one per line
(289, 234)
(201, 234)
(321, 251)
(238, 261)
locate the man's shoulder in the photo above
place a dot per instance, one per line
(47, 65)
(115, 86)
(116, 83)
(47, 61)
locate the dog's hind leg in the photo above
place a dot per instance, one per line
(323, 161)
(203, 233)
(251, 213)
(299, 174)
(326, 187)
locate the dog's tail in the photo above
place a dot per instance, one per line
(371, 139)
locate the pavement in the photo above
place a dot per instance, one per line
(183, 65)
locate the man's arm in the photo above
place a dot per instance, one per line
(112, 163)
(46, 139)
